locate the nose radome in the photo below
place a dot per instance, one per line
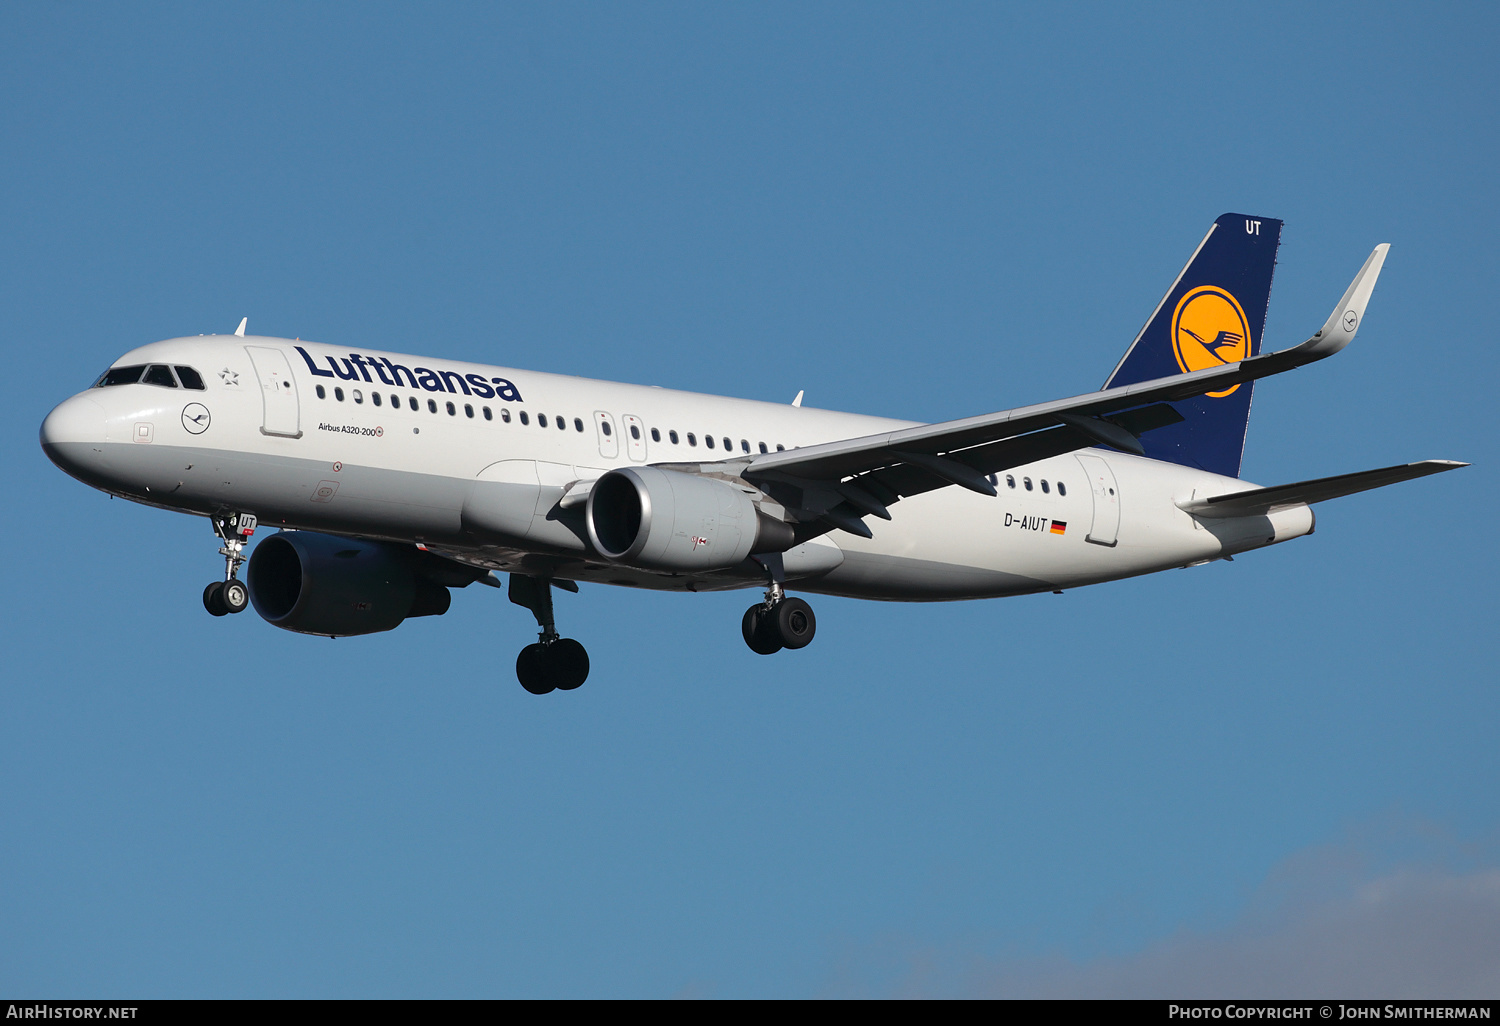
(75, 421)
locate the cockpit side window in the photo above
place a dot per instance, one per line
(120, 376)
(190, 378)
(160, 374)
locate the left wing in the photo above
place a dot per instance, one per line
(841, 482)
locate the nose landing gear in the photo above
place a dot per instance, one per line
(778, 622)
(553, 663)
(230, 595)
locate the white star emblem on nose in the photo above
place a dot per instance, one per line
(229, 377)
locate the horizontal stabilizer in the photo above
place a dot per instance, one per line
(1260, 501)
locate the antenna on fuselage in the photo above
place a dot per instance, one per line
(240, 331)
(798, 401)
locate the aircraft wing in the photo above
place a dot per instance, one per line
(1269, 500)
(845, 480)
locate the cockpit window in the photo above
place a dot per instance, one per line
(190, 378)
(121, 376)
(160, 374)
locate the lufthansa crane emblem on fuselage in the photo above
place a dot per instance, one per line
(195, 418)
(1209, 329)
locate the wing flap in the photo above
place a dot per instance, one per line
(1260, 501)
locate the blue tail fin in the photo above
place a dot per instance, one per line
(1212, 315)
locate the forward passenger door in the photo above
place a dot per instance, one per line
(278, 392)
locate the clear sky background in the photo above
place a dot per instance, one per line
(1276, 776)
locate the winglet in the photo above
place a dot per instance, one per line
(1339, 330)
(240, 331)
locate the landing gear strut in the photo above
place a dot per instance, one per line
(230, 595)
(778, 622)
(553, 663)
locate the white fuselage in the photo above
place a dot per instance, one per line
(259, 438)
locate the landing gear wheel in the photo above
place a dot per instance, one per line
(531, 670)
(795, 623)
(568, 662)
(234, 596)
(759, 628)
(213, 599)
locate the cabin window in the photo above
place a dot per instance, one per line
(359, 396)
(763, 447)
(322, 392)
(1027, 482)
(487, 414)
(375, 398)
(604, 426)
(1046, 488)
(692, 438)
(578, 424)
(655, 435)
(452, 410)
(160, 374)
(468, 411)
(505, 415)
(524, 418)
(562, 423)
(744, 445)
(121, 376)
(338, 393)
(635, 432)
(1062, 489)
(672, 437)
(432, 406)
(708, 440)
(395, 402)
(780, 447)
(992, 479)
(1010, 480)
(191, 379)
(541, 420)
(415, 406)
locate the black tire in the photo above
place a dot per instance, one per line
(795, 623)
(213, 599)
(234, 595)
(531, 671)
(759, 631)
(569, 662)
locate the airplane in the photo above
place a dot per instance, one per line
(393, 479)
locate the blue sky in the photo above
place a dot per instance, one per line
(1274, 775)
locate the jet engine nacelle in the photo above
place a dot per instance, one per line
(667, 520)
(322, 584)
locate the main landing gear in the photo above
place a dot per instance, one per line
(230, 595)
(779, 622)
(553, 663)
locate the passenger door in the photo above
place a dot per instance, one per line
(278, 392)
(1106, 527)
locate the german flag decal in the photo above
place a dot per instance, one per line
(1059, 527)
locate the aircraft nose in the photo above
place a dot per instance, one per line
(78, 419)
(74, 428)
